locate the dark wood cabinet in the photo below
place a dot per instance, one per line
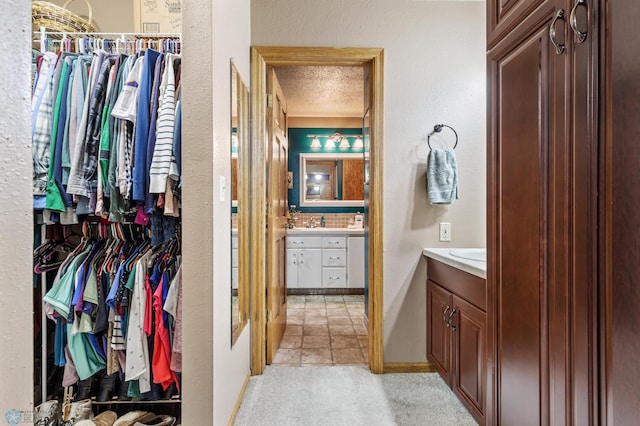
(468, 329)
(504, 15)
(438, 334)
(456, 332)
(542, 214)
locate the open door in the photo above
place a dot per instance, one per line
(277, 155)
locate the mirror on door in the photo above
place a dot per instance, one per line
(239, 205)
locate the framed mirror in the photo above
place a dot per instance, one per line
(240, 232)
(331, 180)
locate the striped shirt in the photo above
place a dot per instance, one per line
(163, 151)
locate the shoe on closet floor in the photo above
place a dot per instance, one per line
(75, 411)
(132, 417)
(47, 414)
(106, 418)
(160, 420)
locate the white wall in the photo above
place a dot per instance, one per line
(108, 15)
(16, 221)
(213, 32)
(434, 73)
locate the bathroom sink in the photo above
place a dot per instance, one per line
(477, 254)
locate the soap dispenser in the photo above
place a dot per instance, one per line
(322, 222)
(359, 222)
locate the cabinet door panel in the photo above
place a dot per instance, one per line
(527, 92)
(469, 340)
(504, 15)
(292, 268)
(439, 307)
(355, 262)
(310, 268)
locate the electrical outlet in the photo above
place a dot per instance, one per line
(445, 231)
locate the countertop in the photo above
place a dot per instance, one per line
(475, 267)
(325, 231)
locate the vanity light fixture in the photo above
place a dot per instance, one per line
(336, 138)
(358, 144)
(344, 143)
(330, 143)
(315, 143)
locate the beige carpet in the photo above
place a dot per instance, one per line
(348, 395)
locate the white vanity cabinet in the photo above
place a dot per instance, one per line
(304, 262)
(322, 258)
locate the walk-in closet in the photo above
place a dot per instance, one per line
(107, 184)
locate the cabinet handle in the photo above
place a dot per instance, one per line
(334, 278)
(444, 316)
(552, 32)
(334, 257)
(334, 242)
(453, 312)
(580, 36)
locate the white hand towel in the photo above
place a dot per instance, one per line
(442, 176)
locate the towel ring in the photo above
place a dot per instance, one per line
(437, 129)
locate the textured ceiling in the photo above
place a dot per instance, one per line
(322, 91)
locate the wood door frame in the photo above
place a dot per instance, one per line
(261, 57)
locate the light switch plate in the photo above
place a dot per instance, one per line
(445, 231)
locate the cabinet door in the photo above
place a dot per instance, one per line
(292, 268)
(468, 333)
(439, 308)
(355, 262)
(310, 268)
(527, 191)
(503, 15)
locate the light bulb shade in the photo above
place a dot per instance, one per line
(315, 143)
(344, 143)
(358, 144)
(329, 144)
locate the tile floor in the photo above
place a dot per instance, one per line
(324, 330)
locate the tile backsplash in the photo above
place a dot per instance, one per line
(332, 220)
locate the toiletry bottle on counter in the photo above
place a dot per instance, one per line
(359, 223)
(322, 222)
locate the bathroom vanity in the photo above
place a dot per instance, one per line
(456, 322)
(325, 258)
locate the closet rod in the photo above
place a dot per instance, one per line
(44, 32)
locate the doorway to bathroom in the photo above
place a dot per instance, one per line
(264, 60)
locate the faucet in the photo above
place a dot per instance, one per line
(312, 222)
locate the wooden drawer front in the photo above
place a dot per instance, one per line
(334, 257)
(334, 242)
(468, 286)
(334, 277)
(304, 242)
